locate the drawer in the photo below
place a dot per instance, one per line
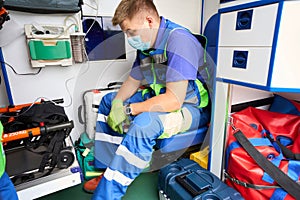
(244, 64)
(248, 27)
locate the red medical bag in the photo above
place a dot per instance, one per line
(262, 128)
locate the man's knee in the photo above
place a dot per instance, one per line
(147, 119)
(147, 125)
(105, 103)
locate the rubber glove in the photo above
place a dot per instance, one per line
(117, 116)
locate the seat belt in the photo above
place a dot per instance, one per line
(279, 176)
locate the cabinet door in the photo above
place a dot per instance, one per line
(244, 64)
(286, 68)
(248, 27)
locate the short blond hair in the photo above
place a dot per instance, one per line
(128, 8)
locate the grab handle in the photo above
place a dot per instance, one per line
(244, 20)
(240, 59)
(188, 181)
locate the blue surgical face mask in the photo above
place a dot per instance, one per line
(137, 43)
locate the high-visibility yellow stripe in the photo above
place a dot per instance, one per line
(94, 174)
(2, 154)
(203, 94)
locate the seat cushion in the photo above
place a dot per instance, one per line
(182, 140)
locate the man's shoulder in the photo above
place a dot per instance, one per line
(182, 37)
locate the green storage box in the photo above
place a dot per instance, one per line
(49, 50)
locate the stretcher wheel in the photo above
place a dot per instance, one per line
(65, 158)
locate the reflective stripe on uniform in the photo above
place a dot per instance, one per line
(147, 62)
(108, 138)
(175, 122)
(157, 58)
(101, 117)
(117, 176)
(192, 100)
(131, 158)
(203, 94)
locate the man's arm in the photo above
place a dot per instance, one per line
(128, 88)
(170, 101)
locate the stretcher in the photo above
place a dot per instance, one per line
(35, 146)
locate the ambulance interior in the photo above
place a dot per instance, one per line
(91, 57)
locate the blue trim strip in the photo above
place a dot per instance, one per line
(225, 1)
(5, 76)
(274, 45)
(202, 16)
(260, 87)
(214, 96)
(279, 193)
(248, 5)
(217, 42)
(294, 169)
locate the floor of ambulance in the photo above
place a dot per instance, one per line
(145, 185)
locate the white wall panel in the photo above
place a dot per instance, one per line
(70, 82)
(186, 13)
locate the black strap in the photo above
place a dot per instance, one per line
(59, 140)
(285, 151)
(54, 148)
(250, 185)
(115, 84)
(281, 178)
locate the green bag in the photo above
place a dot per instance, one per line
(84, 147)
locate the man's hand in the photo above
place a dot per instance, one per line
(169, 101)
(117, 116)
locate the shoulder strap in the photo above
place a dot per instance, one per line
(285, 151)
(281, 178)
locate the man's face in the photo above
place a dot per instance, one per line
(138, 25)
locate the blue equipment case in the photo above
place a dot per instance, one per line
(187, 180)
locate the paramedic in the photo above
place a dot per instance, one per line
(7, 189)
(168, 57)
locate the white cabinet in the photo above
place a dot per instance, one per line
(258, 48)
(259, 45)
(244, 64)
(245, 27)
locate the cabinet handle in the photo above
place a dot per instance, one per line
(240, 59)
(244, 20)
